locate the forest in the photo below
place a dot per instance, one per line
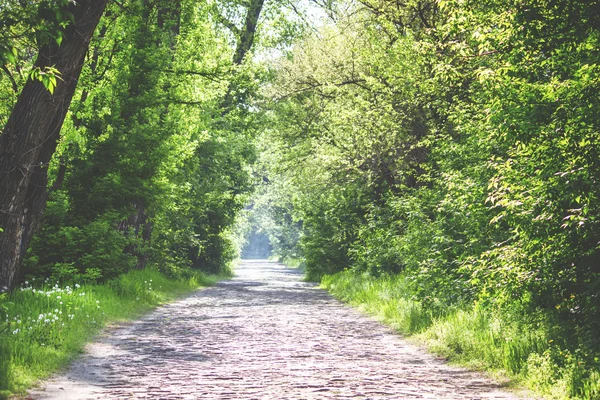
(436, 161)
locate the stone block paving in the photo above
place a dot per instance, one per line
(263, 335)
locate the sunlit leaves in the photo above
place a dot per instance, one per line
(48, 76)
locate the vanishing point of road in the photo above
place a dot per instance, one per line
(263, 335)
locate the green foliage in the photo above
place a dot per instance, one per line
(40, 21)
(48, 77)
(26, 27)
(150, 170)
(88, 253)
(452, 142)
(387, 296)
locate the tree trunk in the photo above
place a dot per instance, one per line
(137, 225)
(245, 40)
(31, 134)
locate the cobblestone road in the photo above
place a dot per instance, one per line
(263, 335)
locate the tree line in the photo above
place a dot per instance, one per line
(454, 143)
(127, 134)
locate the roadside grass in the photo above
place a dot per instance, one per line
(44, 325)
(293, 262)
(530, 353)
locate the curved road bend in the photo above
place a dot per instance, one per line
(263, 335)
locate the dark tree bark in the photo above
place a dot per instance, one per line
(169, 16)
(137, 224)
(246, 37)
(245, 40)
(31, 134)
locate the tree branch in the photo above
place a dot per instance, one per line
(215, 76)
(229, 25)
(311, 86)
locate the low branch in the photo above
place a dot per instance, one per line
(318, 85)
(229, 25)
(182, 102)
(215, 76)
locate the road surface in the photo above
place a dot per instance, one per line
(263, 335)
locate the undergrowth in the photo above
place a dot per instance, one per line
(44, 325)
(529, 349)
(293, 262)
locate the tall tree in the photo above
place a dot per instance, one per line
(30, 136)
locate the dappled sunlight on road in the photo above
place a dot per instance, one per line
(265, 334)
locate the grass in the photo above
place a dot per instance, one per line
(529, 352)
(293, 262)
(44, 325)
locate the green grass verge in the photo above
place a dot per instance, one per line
(44, 326)
(293, 262)
(530, 353)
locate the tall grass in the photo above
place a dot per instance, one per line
(527, 349)
(44, 325)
